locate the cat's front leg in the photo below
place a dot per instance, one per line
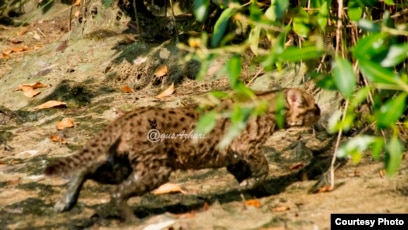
(250, 170)
(71, 196)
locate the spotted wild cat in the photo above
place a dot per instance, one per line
(122, 154)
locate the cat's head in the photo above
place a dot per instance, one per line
(302, 109)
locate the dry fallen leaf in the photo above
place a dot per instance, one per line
(14, 182)
(326, 188)
(36, 36)
(62, 46)
(168, 188)
(382, 173)
(65, 123)
(253, 202)
(186, 215)
(280, 208)
(15, 49)
(51, 104)
(127, 40)
(297, 166)
(127, 89)
(35, 85)
(77, 3)
(357, 173)
(15, 41)
(76, 13)
(55, 138)
(36, 47)
(30, 92)
(22, 31)
(169, 91)
(161, 71)
(29, 89)
(206, 206)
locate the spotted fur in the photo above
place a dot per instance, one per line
(122, 154)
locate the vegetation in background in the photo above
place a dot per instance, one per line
(356, 47)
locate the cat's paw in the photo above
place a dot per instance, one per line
(63, 205)
(252, 182)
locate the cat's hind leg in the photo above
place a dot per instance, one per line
(147, 175)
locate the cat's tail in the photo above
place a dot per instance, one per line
(66, 166)
(89, 155)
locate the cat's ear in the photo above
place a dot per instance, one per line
(294, 97)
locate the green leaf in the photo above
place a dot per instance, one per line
(368, 25)
(344, 77)
(324, 81)
(234, 69)
(221, 26)
(369, 3)
(294, 54)
(301, 23)
(239, 119)
(387, 21)
(391, 111)
(201, 8)
(243, 93)
(355, 147)
(218, 94)
(354, 10)
(241, 114)
(261, 108)
(205, 64)
(254, 39)
(280, 110)
(334, 122)
(360, 96)
(277, 9)
(377, 74)
(206, 122)
(347, 123)
(371, 46)
(224, 3)
(274, 54)
(323, 16)
(377, 147)
(393, 155)
(389, 2)
(255, 13)
(396, 55)
(317, 3)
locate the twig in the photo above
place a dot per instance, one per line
(70, 17)
(243, 200)
(333, 160)
(339, 24)
(255, 77)
(173, 19)
(139, 30)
